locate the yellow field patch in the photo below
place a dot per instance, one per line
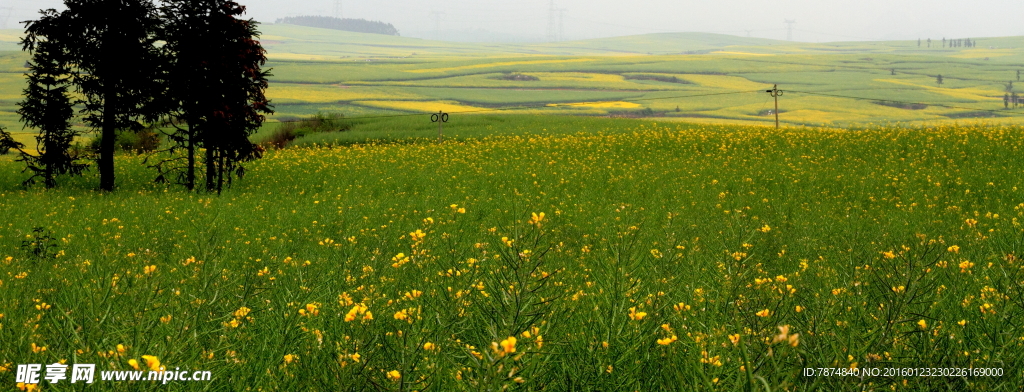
(724, 82)
(297, 56)
(419, 106)
(971, 93)
(599, 105)
(576, 77)
(743, 53)
(498, 64)
(984, 53)
(322, 94)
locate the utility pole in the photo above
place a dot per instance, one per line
(337, 9)
(440, 118)
(748, 32)
(789, 29)
(776, 93)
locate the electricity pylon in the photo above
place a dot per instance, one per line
(789, 29)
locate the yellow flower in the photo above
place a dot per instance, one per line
(429, 346)
(764, 313)
(312, 309)
(242, 312)
(799, 308)
(152, 363)
(134, 364)
(149, 269)
(634, 315)
(971, 222)
(417, 235)
(965, 266)
(289, 358)
(667, 341)
(536, 218)
(401, 315)
(735, 339)
(953, 249)
(765, 229)
(508, 346)
(121, 349)
(889, 254)
(962, 322)
(923, 324)
(356, 356)
(394, 375)
(166, 319)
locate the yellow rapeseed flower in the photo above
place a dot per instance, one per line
(735, 339)
(508, 345)
(394, 375)
(134, 364)
(152, 362)
(764, 313)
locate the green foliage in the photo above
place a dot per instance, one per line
(319, 123)
(890, 240)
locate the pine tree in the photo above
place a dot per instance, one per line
(48, 107)
(109, 48)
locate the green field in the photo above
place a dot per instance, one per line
(626, 221)
(660, 245)
(713, 78)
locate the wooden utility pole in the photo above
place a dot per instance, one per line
(776, 93)
(440, 118)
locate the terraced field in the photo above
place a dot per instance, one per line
(687, 77)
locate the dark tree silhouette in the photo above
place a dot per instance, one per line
(108, 46)
(938, 79)
(929, 42)
(7, 142)
(356, 25)
(48, 107)
(217, 84)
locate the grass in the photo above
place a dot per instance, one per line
(668, 256)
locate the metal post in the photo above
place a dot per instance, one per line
(775, 92)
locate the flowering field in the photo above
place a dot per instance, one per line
(648, 257)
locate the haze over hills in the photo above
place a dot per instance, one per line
(287, 42)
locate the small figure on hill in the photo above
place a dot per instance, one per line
(1006, 101)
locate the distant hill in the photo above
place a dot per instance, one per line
(353, 25)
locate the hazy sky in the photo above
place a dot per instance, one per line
(816, 20)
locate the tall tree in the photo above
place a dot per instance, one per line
(109, 47)
(48, 107)
(217, 84)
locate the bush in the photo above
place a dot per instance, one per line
(144, 141)
(319, 123)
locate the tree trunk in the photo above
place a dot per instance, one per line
(211, 167)
(108, 136)
(190, 173)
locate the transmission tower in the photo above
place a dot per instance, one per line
(552, 24)
(748, 32)
(789, 29)
(337, 9)
(7, 16)
(561, 24)
(437, 15)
